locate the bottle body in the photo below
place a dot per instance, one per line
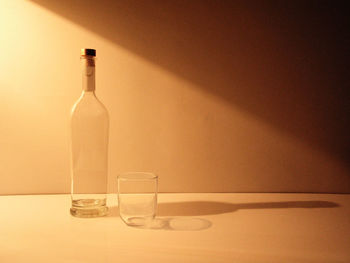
(89, 151)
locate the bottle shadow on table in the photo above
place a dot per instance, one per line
(200, 208)
(183, 216)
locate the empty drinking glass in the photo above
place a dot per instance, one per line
(137, 197)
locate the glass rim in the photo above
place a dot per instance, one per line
(137, 176)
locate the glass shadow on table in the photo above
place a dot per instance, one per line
(179, 216)
(176, 223)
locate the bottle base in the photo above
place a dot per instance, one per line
(89, 208)
(95, 212)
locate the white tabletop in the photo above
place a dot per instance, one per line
(209, 228)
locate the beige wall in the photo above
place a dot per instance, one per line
(213, 97)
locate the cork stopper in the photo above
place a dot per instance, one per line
(88, 52)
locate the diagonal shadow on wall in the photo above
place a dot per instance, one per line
(282, 62)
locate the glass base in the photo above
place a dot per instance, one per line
(141, 221)
(89, 208)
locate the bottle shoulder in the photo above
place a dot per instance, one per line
(89, 105)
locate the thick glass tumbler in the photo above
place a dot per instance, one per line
(137, 198)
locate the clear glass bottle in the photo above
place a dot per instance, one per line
(89, 146)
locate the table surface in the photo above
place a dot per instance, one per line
(194, 228)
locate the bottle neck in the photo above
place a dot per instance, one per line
(88, 73)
